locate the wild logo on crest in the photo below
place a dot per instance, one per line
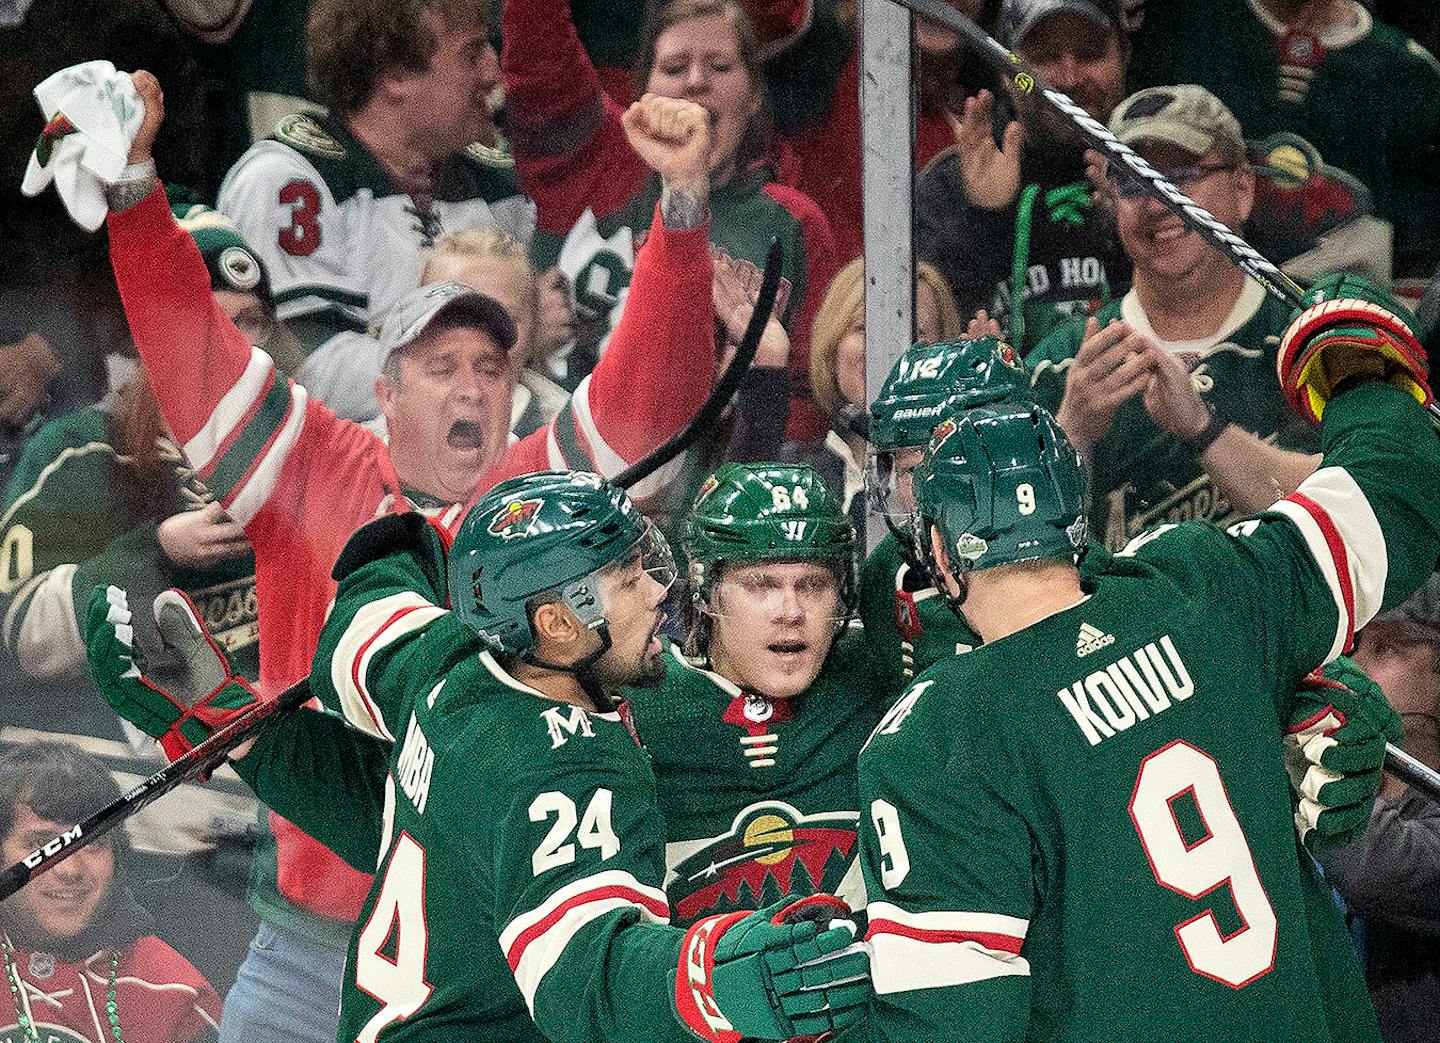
(771, 851)
(514, 518)
(945, 430)
(707, 487)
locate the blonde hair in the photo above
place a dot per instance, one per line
(844, 305)
(492, 245)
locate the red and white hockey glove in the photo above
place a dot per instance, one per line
(177, 686)
(1347, 327)
(1335, 742)
(792, 969)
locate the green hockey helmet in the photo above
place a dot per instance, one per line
(932, 381)
(546, 536)
(1002, 484)
(928, 383)
(747, 513)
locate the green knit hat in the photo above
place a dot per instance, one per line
(232, 264)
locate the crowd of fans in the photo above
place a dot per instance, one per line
(435, 217)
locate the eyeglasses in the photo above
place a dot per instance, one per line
(1183, 178)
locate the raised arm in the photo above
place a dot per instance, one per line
(239, 421)
(660, 363)
(1363, 531)
(570, 149)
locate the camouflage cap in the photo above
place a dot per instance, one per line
(1186, 115)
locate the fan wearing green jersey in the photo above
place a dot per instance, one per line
(753, 734)
(907, 625)
(521, 852)
(1082, 829)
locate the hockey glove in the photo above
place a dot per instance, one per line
(1335, 752)
(792, 969)
(183, 690)
(1348, 327)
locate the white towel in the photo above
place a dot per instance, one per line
(92, 114)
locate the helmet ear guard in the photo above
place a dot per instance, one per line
(545, 537)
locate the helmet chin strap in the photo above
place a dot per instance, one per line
(954, 601)
(582, 670)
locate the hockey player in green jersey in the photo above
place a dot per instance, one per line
(907, 625)
(753, 735)
(1082, 830)
(521, 852)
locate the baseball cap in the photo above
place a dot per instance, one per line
(1018, 17)
(1186, 115)
(231, 263)
(414, 313)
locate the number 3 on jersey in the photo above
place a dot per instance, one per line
(399, 984)
(302, 237)
(1197, 868)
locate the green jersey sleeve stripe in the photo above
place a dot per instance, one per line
(534, 941)
(568, 440)
(375, 627)
(240, 458)
(1345, 539)
(941, 949)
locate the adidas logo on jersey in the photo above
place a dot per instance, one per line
(1091, 639)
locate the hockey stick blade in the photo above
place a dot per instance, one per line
(203, 758)
(1010, 66)
(1416, 774)
(725, 387)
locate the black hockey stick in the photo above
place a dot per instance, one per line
(198, 761)
(1022, 74)
(725, 387)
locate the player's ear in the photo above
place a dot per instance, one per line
(942, 563)
(555, 624)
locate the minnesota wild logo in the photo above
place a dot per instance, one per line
(58, 127)
(770, 852)
(946, 428)
(513, 519)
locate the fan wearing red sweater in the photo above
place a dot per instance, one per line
(300, 480)
(78, 959)
(594, 193)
